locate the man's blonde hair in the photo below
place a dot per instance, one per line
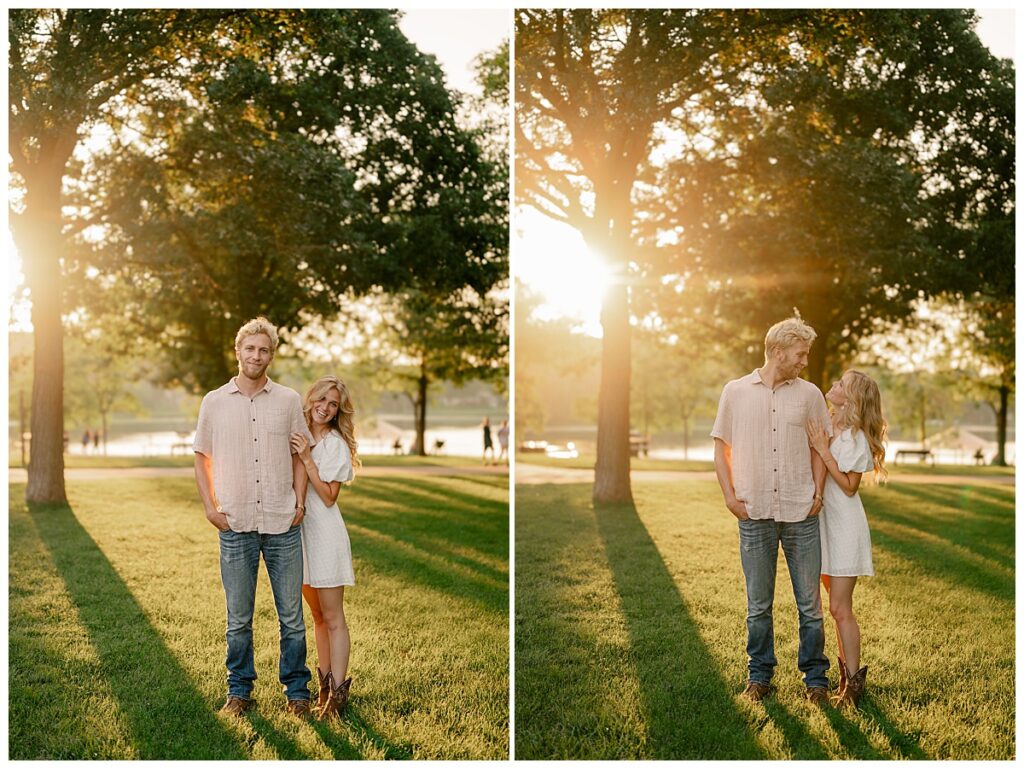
(255, 326)
(785, 334)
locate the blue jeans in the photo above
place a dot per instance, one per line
(759, 554)
(239, 564)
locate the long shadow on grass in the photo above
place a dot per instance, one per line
(342, 749)
(463, 519)
(690, 712)
(963, 522)
(167, 716)
(414, 564)
(943, 562)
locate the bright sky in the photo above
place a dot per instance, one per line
(456, 38)
(552, 260)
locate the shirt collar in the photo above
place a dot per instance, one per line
(232, 386)
(757, 378)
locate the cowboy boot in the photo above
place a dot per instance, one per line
(329, 708)
(842, 675)
(324, 691)
(340, 695)
(855, 686)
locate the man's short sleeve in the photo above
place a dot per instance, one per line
(299, 422)
(819, 411)
(203, 442)
(723, 419)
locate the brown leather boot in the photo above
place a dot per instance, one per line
(855, 686)
(338, 701)
(325, 690)
(842, 676)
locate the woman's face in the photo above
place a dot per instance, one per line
(837, 393)
(325, 409)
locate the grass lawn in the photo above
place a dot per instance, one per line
(587, 462)
(630, 631)
(117, 628)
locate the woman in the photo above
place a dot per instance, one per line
(858, 447)
(326, 553)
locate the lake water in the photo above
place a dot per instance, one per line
(943, 456)
(458, 441)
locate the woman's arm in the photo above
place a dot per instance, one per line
(848, 482)
(327, 491)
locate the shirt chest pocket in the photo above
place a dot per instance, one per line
(795, 415)
(277, 421)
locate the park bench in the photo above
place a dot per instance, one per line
(921, 455)
(639, 445)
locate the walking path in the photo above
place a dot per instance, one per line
(19, 474)
(527, 474)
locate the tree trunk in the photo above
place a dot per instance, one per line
(611, 474)
(420, 406)
(40, 243)
(1001, 416)
(686, 436)
(924, 420)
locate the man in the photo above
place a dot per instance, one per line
(253, 489)
(772, 482)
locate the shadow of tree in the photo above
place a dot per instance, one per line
(167, 716)
(564, 676)
(690, 711)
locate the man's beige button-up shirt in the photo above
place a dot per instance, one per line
(771, 455)
(247, 442)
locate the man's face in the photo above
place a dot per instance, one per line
(254, 356)
(792, 360)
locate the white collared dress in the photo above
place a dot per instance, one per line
(326, 552)
(845, 539)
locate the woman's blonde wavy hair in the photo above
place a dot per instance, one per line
(863, 412)
(343, 420)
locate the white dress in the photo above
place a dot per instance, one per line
(326, 552)
(845, 539)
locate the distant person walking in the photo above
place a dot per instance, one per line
(253, 491)
(96, 440)
(86, 440)
(503, 441)
(326, 551)
(858, 447)
(488, 442)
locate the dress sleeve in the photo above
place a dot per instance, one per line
(858, 459)
(335, 460)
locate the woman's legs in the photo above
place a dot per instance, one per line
(333, 610)
(840, 605)
(825, 580)
(323, 645)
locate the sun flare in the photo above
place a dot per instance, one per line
(554, 262)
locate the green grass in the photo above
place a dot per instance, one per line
(117, 628)
(630, 631)
(587, 461)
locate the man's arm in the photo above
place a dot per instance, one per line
(818, 470)
(299, 483)
(204, 482)
(723, 469)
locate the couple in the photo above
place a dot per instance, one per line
(258, 448)
(789, 472)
